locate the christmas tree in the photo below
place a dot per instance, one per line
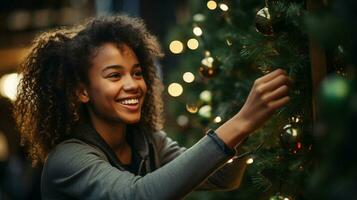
(223, 48)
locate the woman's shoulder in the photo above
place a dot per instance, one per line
(74, 147)
(72, 154)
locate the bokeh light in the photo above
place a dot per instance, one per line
(223, 7)
(192, 44)
(176, 47)
(197, 31)
(8, 85)
(175, 89)
(188, 77)
(211, 5)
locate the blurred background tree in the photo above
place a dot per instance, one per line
(334, 28)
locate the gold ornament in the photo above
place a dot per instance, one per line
(192, 107)
(209, 67)
(263, 22)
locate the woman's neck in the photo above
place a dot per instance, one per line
(114, 134)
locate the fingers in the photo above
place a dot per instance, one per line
(274, 105)
(276, 83)
(276, 94)
(270, 76)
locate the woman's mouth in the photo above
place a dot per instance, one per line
(131, 104)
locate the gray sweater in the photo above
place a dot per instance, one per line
(84, 167)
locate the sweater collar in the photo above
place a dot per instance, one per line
(87, 133)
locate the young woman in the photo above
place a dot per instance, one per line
(89, 107)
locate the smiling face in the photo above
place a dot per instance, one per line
(116, 89)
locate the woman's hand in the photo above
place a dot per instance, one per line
(268, 94)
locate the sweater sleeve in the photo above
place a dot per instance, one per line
(227, 177)
(80, 171)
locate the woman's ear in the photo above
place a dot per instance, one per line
(82, 94)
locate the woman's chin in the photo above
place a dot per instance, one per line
(131, 120)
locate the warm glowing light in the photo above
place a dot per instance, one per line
(217, 119)
(250, 161)
(211, 5)
(8, 85)
(175, 89)
(192, 107)
(197, 31)
(199, 17)
(295, 119)
(208, 61)
(192, 44)
(182, 120)
(206, 96)
(205, 111)
(176, 47)
(230, 160)
(223, 7)
(188, 77)
(294, 132)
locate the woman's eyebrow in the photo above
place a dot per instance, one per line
(112, 67)
(119, 67)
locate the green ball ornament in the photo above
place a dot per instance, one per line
(263, 22)
(290, 137)
(280, 197)
(276, 197)
(334, 93)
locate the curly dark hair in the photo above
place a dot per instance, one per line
(47, 107)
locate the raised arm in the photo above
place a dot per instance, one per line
(268, 94)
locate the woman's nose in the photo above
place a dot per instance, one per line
(130, 83)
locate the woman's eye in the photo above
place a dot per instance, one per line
(138, 74)
(114, 75)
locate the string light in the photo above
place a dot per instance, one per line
(192, 44)
(197, 31)
(199, 17)
(182, 120)
(217, 119)
(250, 161)
(211, 5)
(205, 111)
(223, 7)
(175, 89)
(176, 47)
(206, 96)
(188, 77)
(8, 85)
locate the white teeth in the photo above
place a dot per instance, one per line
(129, 101)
